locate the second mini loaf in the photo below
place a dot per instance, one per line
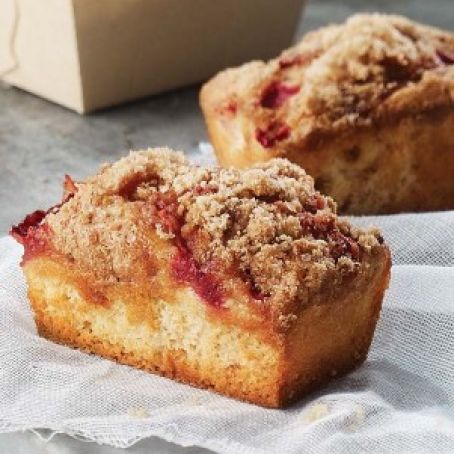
(366, 107)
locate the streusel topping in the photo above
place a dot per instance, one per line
(341, 75)
(266, 223)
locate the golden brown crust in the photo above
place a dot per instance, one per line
(243, 362)
(362, 77)
(348, 324)
(176, 337)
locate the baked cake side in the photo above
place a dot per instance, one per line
(245, 282)
(366, 107)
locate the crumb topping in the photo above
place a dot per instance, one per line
(341, 75)
(266, 224)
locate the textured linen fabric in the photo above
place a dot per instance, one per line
(400, 400)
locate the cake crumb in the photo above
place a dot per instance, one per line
(138, 412)
(316, 412)
(357, 419)
(193, 400)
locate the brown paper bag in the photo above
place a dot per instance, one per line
(89, 54)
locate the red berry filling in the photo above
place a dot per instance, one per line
(186, 270)
(314, 203)
(229, 108)
(32, 221)
(323, 227)
(275, 132)
(184, 267)
(32, 232)
(201, 190)
(276, 94)
(445, 57)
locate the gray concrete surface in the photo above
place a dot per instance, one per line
(40, 142)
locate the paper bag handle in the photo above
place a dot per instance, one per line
(11, 42)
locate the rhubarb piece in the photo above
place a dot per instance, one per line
(273, 133)
(276, 94)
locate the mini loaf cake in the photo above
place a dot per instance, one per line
(244, 282)
(366, 107)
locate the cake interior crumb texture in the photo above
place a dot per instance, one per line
(241, 281)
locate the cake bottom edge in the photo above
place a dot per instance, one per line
(181, 342)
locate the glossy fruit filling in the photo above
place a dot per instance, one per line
(33, 232)
(445, 57)
(276, 94)
(275, 132)
(184, 268)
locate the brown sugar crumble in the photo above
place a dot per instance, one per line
(266, 223)
(356, 65)
(339, 76)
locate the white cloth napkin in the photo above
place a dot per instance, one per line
(400, 400)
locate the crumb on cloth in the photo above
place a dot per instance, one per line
(138, 412)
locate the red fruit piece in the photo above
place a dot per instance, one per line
(231, 107)
(445, 57)
(342, 244)
(34, 220)
(186, 270)
(19, 232)
(314, 203)
(323, 227)
(275, 132)
(276, 93)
